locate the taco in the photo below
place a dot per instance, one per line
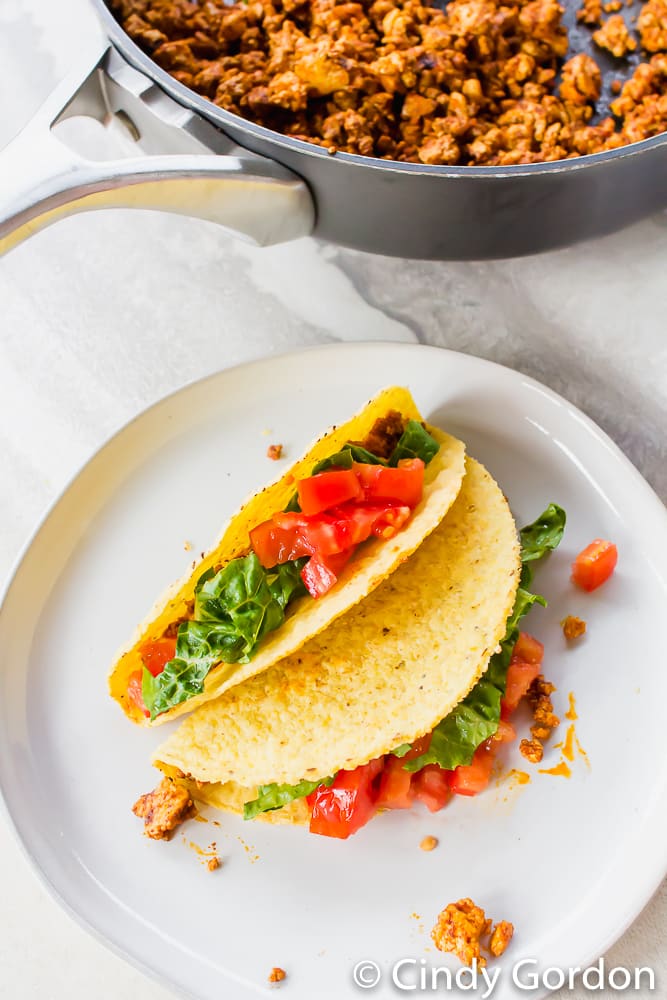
(390, 701)
(296, 555)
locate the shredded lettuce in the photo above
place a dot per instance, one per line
(234, 609)
(541, 537)
(344, 458)
(271, 797)
(415, 442)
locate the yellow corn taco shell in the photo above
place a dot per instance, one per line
(384, 674)
(375, 560)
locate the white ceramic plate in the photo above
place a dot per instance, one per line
(570, 862)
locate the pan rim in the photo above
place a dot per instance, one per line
(189, 98)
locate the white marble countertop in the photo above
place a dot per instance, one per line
(105, 313)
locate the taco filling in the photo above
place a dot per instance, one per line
(457, 756)
(281, 573)
(405, 699)
(349, 497)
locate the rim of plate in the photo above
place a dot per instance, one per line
(658, 871)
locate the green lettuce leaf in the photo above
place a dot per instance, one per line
(234, 609)
(344, 458)
(541, 537)
(415, 442)
(274, 796)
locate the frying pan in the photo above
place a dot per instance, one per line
(198, 159)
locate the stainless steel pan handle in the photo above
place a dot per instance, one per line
(189, 166)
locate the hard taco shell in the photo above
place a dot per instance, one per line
(306, 617)
(382, 675)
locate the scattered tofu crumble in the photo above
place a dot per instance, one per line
(539, 699)
(501, 937)
(163, 809)
(573, 627)
(462, 928)
(532, 750)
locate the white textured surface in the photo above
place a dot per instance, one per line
(103, 314)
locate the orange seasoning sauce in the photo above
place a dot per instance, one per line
(567, 746)
(206, 854)
(561, 770)
(570, 746)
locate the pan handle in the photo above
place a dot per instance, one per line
(187, 165)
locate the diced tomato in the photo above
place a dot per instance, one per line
(321, 572)
(155, 655)
(403, 485)
(291, 535)
(528, 649)
(134, 691)
(395, 785)
(327, 490)
(340, 528)
(431, 786)
(595, 564)
(419, 747)
(520, 676)
(352, 524)
(473, 778)
(275, 542)
(390, 521)
(346, 805)
(506, 733)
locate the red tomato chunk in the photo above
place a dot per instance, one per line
(473, 778)
(525, 666)
(403, 485)
(528, 649)
(348, 804)
(595, 564)
(395, 791)
(419, 747)
(519, 678)
(292, 535)
(431, 786)
(506, 733)
(321, 572)
(157, 654)
(134, 691)
(340, 508)
(327, 490)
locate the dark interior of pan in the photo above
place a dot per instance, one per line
(456, 213)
